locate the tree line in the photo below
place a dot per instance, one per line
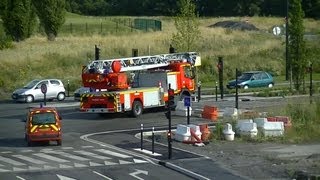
(203, 7)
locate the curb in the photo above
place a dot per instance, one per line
(182, 170)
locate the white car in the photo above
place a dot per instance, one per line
(32, 91)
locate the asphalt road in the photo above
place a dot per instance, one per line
(105, 147)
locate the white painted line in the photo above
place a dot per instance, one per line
(79, 165)
(64, 177)
(32, 168)
(90, 154)
(20, 178)
(84, 147)
(101, 175)
(65, 148)
(18, 169)
(113, 153)
(63, 166)
(6, 152)
(46, 150)
(4, 170)
(26, 150)
(10, 161)
(95, 164)
(124, 162)
(139, 161)
(52, 158)
(68, 155)
(29, 159)
(108, 163)
(148, 152)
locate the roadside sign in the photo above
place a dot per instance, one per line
(187, 101)
(44, 88)
(276, 30)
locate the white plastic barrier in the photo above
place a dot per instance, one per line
(273, 129)
(228, 132)
(182, 133)
(196, 130)
(242, 121)
(248, 128)
(260, 122)
(230, 112)
(182, 110)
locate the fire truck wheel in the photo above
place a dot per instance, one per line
(136, 108)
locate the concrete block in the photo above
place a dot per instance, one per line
(248, 129)
(273, 129)
(260, 121)
(182, 133)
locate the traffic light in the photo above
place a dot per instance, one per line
(97, 52)
(171, 98)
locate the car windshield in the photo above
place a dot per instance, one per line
(43, 118)
(31, 84)
(245, 76)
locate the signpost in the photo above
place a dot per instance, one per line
(44, 91)
(187, 103)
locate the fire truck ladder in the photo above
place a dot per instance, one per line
(143, 62)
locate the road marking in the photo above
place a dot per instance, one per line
(84, 147)
(64, 177)
(6, 152)
(79, 165)
(68, 155)
(29, 159)
(20, 178)
(112, 153)
(52, 158)
(148, 152)
(101, 175)
(26, 150)
(10, 161)
(95, 164)
(90, 154)
(65, 148)
(4, 170)
(124, 162)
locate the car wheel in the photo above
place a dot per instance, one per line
(245, 87)
(59, 142)
(136, 108)
(270, 85)
(61, 96)
(29, 99)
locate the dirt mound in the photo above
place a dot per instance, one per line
(236, 25)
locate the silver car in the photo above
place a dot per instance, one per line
(32, 91)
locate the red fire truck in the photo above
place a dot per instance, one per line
(136, 83)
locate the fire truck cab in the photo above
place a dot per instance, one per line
(43, 124)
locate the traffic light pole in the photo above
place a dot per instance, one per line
(170, 91)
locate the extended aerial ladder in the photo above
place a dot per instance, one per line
(142, 62)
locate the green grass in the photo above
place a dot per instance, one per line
(63, 58)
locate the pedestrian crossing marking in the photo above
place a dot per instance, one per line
(79, 165)
(68, 155)
(95, 164)
(90, 154)
(29, 159)
(32, 168)
(124, 162)
(52, 158)
(10, 161)
(66, 148)
(63, 166)
(113, 153)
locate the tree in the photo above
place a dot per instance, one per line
(19, 19)
(52, 16)
(296, 46)
(187, 25)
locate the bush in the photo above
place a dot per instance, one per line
(5, 42)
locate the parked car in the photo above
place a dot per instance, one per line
(32, 91)
(43, 124)
(252, 79)
(78, 92)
